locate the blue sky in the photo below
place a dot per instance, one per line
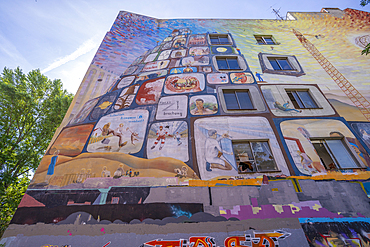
(60, 37)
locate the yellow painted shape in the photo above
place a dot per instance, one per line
(316, 207)
(104, 105)
(256, 210)
(222, 212)
(274, 189)
(212, 183)
(278, 208)
(294, 209)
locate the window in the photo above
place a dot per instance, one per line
(334, 154)
(228, 63)
(301, 99)
(280, 63)
(265, 40)
(220, 39)
(237, 99)
(253, 156)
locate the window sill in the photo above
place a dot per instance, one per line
(239, 172)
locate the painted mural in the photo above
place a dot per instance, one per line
(145, 142)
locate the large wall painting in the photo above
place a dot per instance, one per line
(184, 83)
(216, 140)
(119, 132)
(172, 107)
(168, 139)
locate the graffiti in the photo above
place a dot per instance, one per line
(256, 239)
(338, 233)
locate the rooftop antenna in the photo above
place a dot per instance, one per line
(277, 13)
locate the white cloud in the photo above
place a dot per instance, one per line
(83, 49)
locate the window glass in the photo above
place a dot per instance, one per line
(269, 41)
(231, 100)
(244, 157)
(263, 156)
(214, 40)
(260, 41)
(244, 100)
(325, 157)
(274, 64)
(307, 99)
(222, 63)
(233, 63)
(341, 154)
(284, 64)
(223, 40)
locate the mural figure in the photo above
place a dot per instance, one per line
(178, 138)
(149, 92)
(119, 172)
(214, 152)
(201, 110)
(51, 167)
(306, 162)
(184, 83)
(259, 76)
(365, 136)
(285, 107)
(181, 173)
(105, 173)
(241, 78)
(161, 133)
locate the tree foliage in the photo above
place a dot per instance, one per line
(367, 47)
(31, 108)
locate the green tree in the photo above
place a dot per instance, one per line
(31, 108)
(367, 48)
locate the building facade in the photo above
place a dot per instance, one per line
(207, 132)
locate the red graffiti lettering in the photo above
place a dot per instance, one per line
(234, 241)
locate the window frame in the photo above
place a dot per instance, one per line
(237, 99)
(218, 35)
(296, 99)
(262, 37)
(266, 66)
(254, 164)
(330, 152)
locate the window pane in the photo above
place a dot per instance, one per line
(244, 157)
(269, 41)
(214, 40)
(263, 156)
(260, 41)
(284, 64)
(298, 100)
(222, 64)
(233, 63)
(306, 99)
(244, 100)
(230, 100)
(224, 40)
(274, 64)
(341, 154)
(324, 156)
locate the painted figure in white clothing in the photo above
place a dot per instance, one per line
(214, 152)
(161, 133)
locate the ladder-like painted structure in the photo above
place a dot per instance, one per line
(352, 93)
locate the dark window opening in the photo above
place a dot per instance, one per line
(253, 156)
(301, 99)
(237, 99)
(334, 154)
